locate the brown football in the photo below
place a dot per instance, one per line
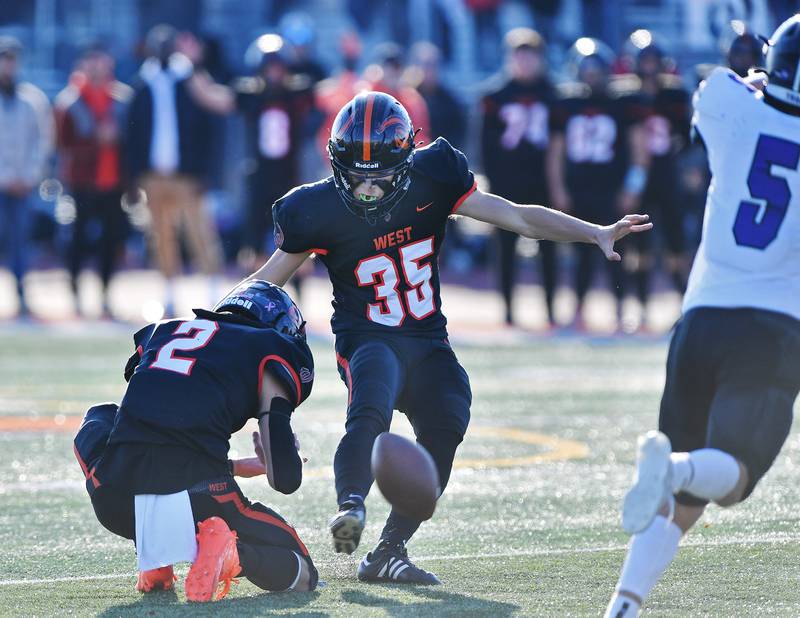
(406, 475)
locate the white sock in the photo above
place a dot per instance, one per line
(622, 607)
(650, 553)
(707, 473)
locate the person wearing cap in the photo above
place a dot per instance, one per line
(168, 148)
(515, 137)
(90, 115)
(26, 135)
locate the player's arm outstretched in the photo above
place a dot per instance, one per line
(546, 224)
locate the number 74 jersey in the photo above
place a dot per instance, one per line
(749, 255)
(385, 275)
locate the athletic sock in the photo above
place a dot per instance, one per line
(622, 607)
(650, 553)
(707, 473)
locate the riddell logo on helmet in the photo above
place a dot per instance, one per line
(247, 304)
(369, 166)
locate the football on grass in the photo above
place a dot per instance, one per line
(406, 476)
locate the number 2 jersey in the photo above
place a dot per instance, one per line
(198, 381)
(749, 255)
(385, 276)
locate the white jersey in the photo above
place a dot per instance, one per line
(749, 255)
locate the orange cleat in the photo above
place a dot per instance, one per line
(217, 562)
(162, 578)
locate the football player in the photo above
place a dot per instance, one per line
(733, 370)
(514, 136)
(588, 153)
(377, 224)
(656, 98)
(157, 464)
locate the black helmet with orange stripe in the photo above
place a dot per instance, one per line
(372, 140)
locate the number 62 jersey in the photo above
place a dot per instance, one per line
(749, 255)
(385, 276)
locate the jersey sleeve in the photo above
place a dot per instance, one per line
(294, 223)
(449, 168)
(289, 361)
(719, 99)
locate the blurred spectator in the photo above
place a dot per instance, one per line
(90, 115)
(487, 32)
(514, 142)
(334, 92)
(26, 139)
(386, 76)
(168, 146)
(297, 30)
(587, 156)
(658, 100)
(274, 105)
(447, 114)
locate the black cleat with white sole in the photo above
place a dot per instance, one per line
(389, 563)
(346, 527)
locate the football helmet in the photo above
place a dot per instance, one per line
(588, 54)
(745, 53)
(267, 304)
(782, 58)
(372, 138)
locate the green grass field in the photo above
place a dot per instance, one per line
(527, 527)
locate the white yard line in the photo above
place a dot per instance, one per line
(512, 554)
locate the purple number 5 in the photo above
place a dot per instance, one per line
(748, 229)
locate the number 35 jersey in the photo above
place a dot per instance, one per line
(749, 255)
(385, 276)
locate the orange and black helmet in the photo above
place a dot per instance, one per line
(372, 138)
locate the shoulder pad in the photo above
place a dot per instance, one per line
(624, 85)
(248, 85)
(572, 90)
(670, 81)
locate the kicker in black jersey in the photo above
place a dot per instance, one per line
(385, 275)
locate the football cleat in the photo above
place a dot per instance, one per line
(162, 578)
(217, 562)
(346, 527)
(652, 486)
(389, 563)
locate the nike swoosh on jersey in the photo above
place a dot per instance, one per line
(421, 208)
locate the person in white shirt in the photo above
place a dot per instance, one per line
(733, 371)
(169, 143)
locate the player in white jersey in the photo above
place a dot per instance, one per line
(733, 371)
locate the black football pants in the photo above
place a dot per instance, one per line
(420, 377)
(268, 546)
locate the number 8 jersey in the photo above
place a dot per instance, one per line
(385, 276)
(749, 255)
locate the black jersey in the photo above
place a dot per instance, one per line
(665, 115)
(274, 117)
(385, 276)
(594, 128)
(515, 135)
(197, 381)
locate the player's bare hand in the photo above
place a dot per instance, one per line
(248, 467)
(609, 234)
